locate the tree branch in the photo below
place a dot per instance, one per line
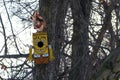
(11, 27)
(14, 56)
(4, 34)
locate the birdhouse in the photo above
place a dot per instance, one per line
(40, 51)
(40, 46)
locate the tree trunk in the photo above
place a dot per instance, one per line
(80, 51)
(110, 68)
(54, 13)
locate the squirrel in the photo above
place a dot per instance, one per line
(38, 21)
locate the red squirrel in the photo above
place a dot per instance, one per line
(38, 22)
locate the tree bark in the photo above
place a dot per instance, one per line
(80, 51)
(54, 13)
(109, 69)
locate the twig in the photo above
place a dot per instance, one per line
(4, 34)
(11, 28)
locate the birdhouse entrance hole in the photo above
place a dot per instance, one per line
(40, 44)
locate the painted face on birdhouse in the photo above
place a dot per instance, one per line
(40, 43)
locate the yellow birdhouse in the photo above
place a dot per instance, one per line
(40, 52)
(40, 46)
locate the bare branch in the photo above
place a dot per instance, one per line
(4, 34)
(14, 56)
(11, 27)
